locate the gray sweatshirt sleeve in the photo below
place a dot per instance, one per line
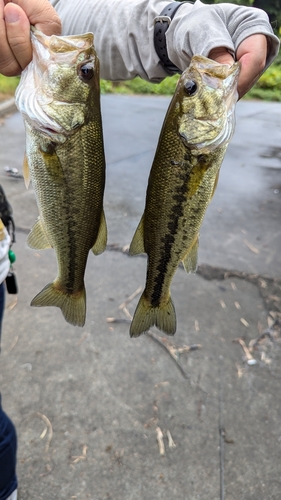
(124, 32)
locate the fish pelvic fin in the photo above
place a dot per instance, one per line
(26, 173)
(137, 244)
(215, 184)
(190, 261)
(163, 316)
(37, 237)
(73, 307)
(100, 243)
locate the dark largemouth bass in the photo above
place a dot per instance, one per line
(197, 128)
(59, 98)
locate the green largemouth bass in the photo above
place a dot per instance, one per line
(59, 98)
(196, 131)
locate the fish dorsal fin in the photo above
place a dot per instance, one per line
(191, 258)
(37, 237)
(137, 244)
(26, 173)
(100, 243)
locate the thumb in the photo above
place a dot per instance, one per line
(41, 14)
(19, 52)
(19, 15)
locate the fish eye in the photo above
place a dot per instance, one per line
(86, 72)
(190, 87)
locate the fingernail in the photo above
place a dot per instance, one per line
(11, 16)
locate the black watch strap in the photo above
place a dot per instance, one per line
(161, 24)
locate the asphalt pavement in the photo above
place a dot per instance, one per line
(101, 416)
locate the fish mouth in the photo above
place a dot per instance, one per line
(49, 132)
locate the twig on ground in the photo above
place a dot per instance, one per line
(240, 371)
(129, 299)
(127, 313)
(118, 320)
(171, 442)
(244, 322)
(13, 304)
(49, 427)
(78, 458)
(251, 247)
(254, 342)
(84, 337)
(196, 325)
(14, 343)
(159, 437)
(169, 349)
(249, 357)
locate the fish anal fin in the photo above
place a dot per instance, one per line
(137, 243)
(37, 237)
(73, 307)
(190, 261)
(162, 316)
(26, 173)
(100, 243)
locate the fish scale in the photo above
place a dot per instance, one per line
(183, 178)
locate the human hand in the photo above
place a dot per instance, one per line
(16, 16)
(251, 53)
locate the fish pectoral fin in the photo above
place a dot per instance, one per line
(37, 237)
(73, 307)
(163, 316)
(190, 261)
(26, 173)
(100, 243)
(137, 243)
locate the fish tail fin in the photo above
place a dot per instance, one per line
(162, 316)
(73, 307)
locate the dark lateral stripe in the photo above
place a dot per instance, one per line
(176, 212)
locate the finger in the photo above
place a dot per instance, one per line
(41, 14)
(6, 55)
(18, 36)
(251, 53)
(221, 55)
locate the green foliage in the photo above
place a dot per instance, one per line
(263, 94)
(8, 85)
(139, 86)
(268, 86)
(247, 3)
